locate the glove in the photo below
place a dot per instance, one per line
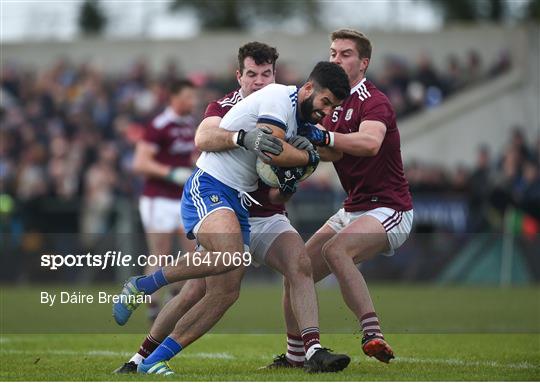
(179, 175)
(260, 141)
(288, 178)
(315, 135)
(300, 143)
(314, 158)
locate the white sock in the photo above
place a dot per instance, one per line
(312, 350)
(137, 358)
(295, 350)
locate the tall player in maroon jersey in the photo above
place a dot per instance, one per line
(164, 157)
(274, 241)
(377, 214)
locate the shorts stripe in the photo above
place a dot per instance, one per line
(396, 217)
(392, 217)
(390, 225)
(201, 201)
(195, 195)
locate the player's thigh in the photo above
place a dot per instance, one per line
(271, 237)
(287, 255)
(220, 231)
(213, 213)
(362, 239)
(314, 248)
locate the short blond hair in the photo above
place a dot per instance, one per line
(363, 45)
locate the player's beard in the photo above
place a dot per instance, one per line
(306, 109)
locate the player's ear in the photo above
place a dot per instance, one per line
(365, 63)
(238, 75)
(309, 88)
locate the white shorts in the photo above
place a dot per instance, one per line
(160, 215)
(398, 224)
(264, 231)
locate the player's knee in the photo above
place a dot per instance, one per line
(304, 265)
(195, 294)
(299, 266)
(225, 298)
(331, 253)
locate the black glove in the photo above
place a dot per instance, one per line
(315, 135)
(260, 141)
(288, 178)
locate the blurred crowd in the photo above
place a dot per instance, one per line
(496, 182)
(67, 137)
(413, 87)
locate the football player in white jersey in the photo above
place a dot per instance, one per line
(215, 200)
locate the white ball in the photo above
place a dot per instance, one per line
(267, 175)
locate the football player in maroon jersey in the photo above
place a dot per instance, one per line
(165, 158)
(377, 214)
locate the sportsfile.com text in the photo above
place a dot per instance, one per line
(118, 259)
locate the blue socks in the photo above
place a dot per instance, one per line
(165, 351)
(152, 283)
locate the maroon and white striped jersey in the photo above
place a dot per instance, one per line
(370, 182)
(173, 136)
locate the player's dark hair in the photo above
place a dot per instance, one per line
(177, 86)
(363, 45)
(259, 52)
(332, 77)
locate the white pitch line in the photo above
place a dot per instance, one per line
(458, 362)
(227, 356)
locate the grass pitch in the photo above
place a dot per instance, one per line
(438, 333)
(221, 357)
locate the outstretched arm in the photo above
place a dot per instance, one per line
(364, 143)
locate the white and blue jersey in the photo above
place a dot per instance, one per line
(275, 104)
(223, 179)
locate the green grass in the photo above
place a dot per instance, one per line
(402, 309)
(222, 357)
(438, 333)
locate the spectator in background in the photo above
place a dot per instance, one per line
(517, 142)
(427, 76)
(529, 199)
(99, 191)
(474, 71)
(480, 185)
(453, 78)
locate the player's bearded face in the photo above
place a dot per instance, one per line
(308, 111)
